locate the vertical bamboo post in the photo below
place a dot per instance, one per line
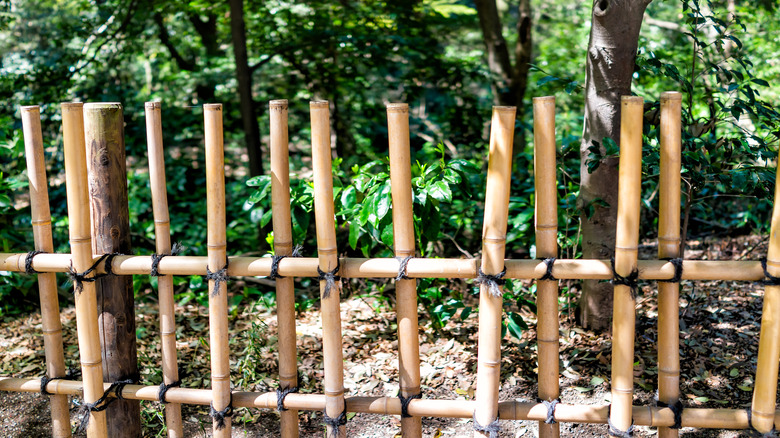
(162, 232)
(283, 246)
(217, 260)
(669, 247)
(765, 391)
(81, 250)
(546, 206)
(403, 232)
(499, 178)
(47, 282)
(624, 305)
(107, 176)
(328, 261)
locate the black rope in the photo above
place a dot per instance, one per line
(678, 271)
(630, 281)
(28, 267)
(175, 250)
(79, 278)
(219, 416)
(405, 403)
(677, 409)
(402, 268)
(218, 277)
(491, 429)
(275, 259)
(550, 261)
(330, 278)
(102, 403)
(493, 282)
(769, 280)
(335, 423)
(614, 431)
(45, 380)
(550, 405)
(281, 394)
(164, 388)
(771, 434)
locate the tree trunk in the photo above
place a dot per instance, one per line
(612, 49)
(244, 77)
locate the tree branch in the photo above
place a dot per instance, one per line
(165, 39)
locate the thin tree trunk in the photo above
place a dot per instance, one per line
(612, 49)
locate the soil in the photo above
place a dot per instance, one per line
(719, 341)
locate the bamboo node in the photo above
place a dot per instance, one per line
(330, 278)
(281, 394)
(550, 261)
(405, 403)
(220, 416)
(164, 388)
(677, 409)
(156, 258)
(218, 277)
(550, 405)
(402, 268)
(493, 282)
(335, 423)
(678, 271)
(28, 262)
(491, 429)
(771, 434)
(630, 280)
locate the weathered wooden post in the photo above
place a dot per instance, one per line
(107, 180)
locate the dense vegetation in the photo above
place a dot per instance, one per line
(360, 55)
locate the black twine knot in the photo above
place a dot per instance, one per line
(493, 282)
(550, 405)
(550, 261)
(614, 431)
(678, 271)
(220, 416)
(630, 281)
(405, 403)
(771, 434)
(275, 259)
(281, 394)
(28, 259)
(330, 278)
(769, 280)
(156, 258)
(402, 268)
(218, 277)
(102, 403)
(79, 278)
(335, 423)
(71, 374)
(491, 429)
(164, 388)
(677, 409)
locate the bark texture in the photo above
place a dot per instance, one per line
(612, 50)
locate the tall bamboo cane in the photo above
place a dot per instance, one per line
(546, 247)
(283, 246)
(499, 178)
(669, 247)
(81, 247)
(403, 236)
(330, 290)
(47, 282)
(624, 305)
(162, 232)
(217, 261)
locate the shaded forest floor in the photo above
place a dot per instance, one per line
(719, 341)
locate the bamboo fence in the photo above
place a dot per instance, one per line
(486, 410)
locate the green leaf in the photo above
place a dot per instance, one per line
(596, 381)
(383, 201)
(734, 372)
(515, 324)
(387, 235)
(348, 197)
(354, 233)
(440, 191)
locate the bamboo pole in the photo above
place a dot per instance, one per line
(765, 390)
(328, 262)
(403, 237)
(162, 232)
(499, 178)
(47, 282)
(283, 246)
(81, 246)
(217, 260)
(626, 246)
(669, 247)
(546, 205)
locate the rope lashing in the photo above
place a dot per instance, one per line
(677, 409)
(771, 434)
(330, 278)
(79, 278)
(218, 277)
(281, 394)
(156, 258)
(493, 282)
(550, 405)
(275, 259)
(220, 416)
(630, 281)
(164, 388)
(678, 271)
(402, 268)
(550, 261)
(28, 259)
(491, 429)
(102, 403)
(769, 280)
(405, 403)
(335, 423)
(614, 431)
(45, 380)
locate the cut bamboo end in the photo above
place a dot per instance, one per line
(153, 105)
(278, 104)
(671, 95)
(397, 107)
(319, 104)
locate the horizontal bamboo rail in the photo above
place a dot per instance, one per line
(564, 269)
(508, 410)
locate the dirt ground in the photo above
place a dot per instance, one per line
(719, 335)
